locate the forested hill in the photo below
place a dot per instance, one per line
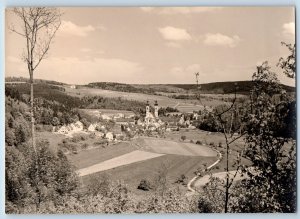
(242, 87)
(23, 79)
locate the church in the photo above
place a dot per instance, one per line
(150, 118)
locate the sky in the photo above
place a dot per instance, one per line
(159, 45)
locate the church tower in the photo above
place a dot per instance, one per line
(156, 109)
(147, 108)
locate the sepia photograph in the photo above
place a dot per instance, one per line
(142, 110)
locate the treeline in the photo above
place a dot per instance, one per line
(23, 79)
(240, 87)
(237, 120)
(120, 87)
(54, 107)
(163, 111)
(97, 102)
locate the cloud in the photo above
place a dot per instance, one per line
(179, 10)
(173, 44)
(193, 68)
(147, 9)
(100, 52)
(289, 28)
(84, 70)
(174, 34)
(68, 28)
(221, 40)
(183, 73)
(81, 70)
(85, 50)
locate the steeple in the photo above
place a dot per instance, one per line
(156, 109)
(147, 108)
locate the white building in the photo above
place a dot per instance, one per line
(109, 136)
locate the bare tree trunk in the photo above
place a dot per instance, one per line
(38, 200)
(32, 112)
(227, 179)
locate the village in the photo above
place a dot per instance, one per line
(124, 125)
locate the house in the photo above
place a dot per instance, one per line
(92, 127)
(109, 136)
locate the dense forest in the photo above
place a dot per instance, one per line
(240, 87)
(23, 79)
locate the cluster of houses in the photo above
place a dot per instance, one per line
(99, 130)
(125, 124)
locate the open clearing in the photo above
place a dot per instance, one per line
(163, 101)
(173, 165)
(162, 146)
(94, 156)
(148, 148)
(132, 157)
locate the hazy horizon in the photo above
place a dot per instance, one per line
(161, 45)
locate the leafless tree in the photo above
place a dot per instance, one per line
(230, 135)
(38, 28)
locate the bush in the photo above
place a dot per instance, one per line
(84, 146)
(199, 142)
(181, 180)
(101, 142)
(144, 185)
(183, 137)
(205, 206)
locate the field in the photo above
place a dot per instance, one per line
(125, 159)
(183, 105)
(173, 165)
(162, 146)
(143, 158)
(93, 156)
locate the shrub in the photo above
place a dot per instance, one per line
(199, 142)
(205, 206)
(183, 137)
(182, 179)
(84, 146)
(144, 185)
(101, 142)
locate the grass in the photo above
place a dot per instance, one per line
(208, 138)
(176, 165)
(93, 156)
(53, 139)
(163, 146)
(184, 105)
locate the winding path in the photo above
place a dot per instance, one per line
(192, 182)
